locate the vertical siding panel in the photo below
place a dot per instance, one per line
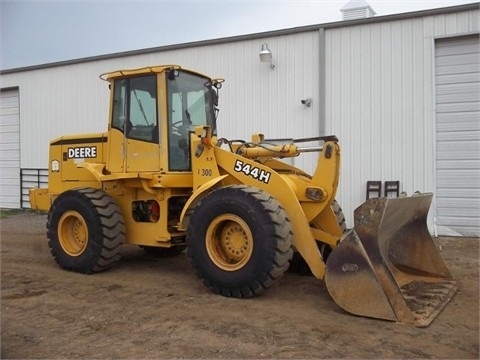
(356, 128)
(329, 68)
(334, 77)
(281, 67)
(440, 26)
(451, 23)
(394, 160)
(407, 147)
(474, 21)
(365, 140)
(419, 136)
(463, 22)
(343, 120)
(272, 114)
(250, 103)
(335, 103)
(377, 107)
(428, 102)
(387, 97)
(308, 122)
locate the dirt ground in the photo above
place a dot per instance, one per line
(146, 308)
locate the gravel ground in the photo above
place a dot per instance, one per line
(150, 308)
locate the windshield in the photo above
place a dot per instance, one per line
(191, 103)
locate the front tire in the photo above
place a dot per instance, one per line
(85, 230)
(239, 241)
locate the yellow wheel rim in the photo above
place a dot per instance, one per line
(229, 242)
(73, 233)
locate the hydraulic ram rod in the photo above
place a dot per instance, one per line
(287, 150)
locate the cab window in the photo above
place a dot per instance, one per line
(135, 108)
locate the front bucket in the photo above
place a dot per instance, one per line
(388, 267)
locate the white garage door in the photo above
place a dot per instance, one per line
(457, 66)
(9, 149)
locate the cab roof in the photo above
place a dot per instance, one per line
(144, 70)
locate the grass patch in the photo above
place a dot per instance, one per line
(4, 213)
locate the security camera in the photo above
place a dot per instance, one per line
(306, 102)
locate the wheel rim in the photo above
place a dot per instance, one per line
(229, 242)
(73, 233)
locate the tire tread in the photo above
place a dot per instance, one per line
(110, 221)
(282, 250)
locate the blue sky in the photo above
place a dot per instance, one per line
(35, 32)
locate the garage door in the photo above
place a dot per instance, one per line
(457, 82)
(9, 149)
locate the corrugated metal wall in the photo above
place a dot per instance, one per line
(72, 99)
(380, 101)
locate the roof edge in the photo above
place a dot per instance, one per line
(288, 31)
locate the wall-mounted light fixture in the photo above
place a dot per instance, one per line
(266, 55)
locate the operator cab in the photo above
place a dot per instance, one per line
(144, 121)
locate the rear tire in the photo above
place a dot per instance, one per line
(85, 230)
(239, 241)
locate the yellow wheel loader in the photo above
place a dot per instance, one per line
(162, 179)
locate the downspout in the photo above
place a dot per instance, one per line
(321, 83)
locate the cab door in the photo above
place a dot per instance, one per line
(134, 131)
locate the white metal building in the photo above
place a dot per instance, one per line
(402, 93)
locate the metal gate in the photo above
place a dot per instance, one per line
(29, 179)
